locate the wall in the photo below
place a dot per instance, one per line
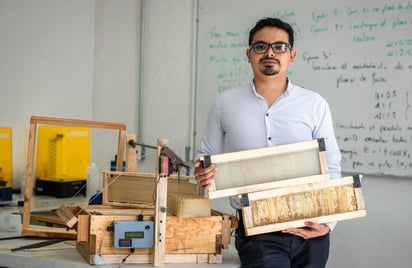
(380, 239)
(71, 59)
(100, 80)
(46, 67)
(116, 72)
(167, 77)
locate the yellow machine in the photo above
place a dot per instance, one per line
(6, 177)
(63, 156)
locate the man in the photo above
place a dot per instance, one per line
(267, 112)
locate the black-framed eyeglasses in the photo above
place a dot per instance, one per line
(277, 47)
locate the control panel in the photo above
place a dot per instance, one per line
(133, 234)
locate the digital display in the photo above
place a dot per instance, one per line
(131, 235)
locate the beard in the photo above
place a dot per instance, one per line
(268, 71)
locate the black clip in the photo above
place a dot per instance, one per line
(245, 200)
(322, 145)
(356, 181)
(206, 162)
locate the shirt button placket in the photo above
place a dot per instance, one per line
(269, 138)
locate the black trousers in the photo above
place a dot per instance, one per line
(280, 250)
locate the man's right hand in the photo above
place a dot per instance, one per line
(205, 176)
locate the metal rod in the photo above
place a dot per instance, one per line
(133, 143)
(40, 244)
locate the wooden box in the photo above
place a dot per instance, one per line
(134, 189)
(188, 240)
(289, 207)
(271, 167)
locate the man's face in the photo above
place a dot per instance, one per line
(270, 63)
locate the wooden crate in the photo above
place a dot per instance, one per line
(289, 207)
(271, 167)
(134, 189)
(188, 240)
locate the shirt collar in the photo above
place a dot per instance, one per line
(289, 89)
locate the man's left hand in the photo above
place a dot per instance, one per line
(310, 230)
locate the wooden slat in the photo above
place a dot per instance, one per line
(300, 223)
(47, 218)
(120, 149)
(52, 232)
(244, 171)
(359, 198)
(76, 123)
(160, 210)
(67, 216)
(28, 189)
(266, 152)
(169, 258)
(83, 230)
(229, 222)
(147, 212)
(264, 186)
(131, 154)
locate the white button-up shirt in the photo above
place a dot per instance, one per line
(240, 119)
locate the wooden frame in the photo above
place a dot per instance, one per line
(289, 207)
(43, 231)
(270, 167)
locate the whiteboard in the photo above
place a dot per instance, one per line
(356, 54)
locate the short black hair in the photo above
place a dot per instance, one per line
(272, 22)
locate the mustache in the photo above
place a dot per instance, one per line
(270, 58)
